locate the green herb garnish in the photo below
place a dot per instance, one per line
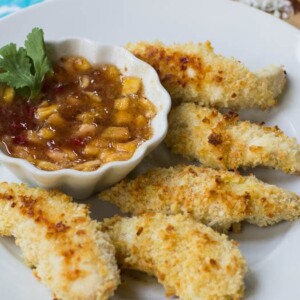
(24, 69)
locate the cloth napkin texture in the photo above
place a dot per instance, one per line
(9, 6)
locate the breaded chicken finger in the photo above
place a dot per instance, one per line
(191, 260)
(222, 141)
(216, 198)
(194, 73)
(74, 259)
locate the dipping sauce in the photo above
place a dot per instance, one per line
(85, 117)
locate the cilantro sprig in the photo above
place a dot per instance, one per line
(24, 69)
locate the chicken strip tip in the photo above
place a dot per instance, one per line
(223, 141)
(194, 73)
(219, 199)
(191, 260)
(66, 249)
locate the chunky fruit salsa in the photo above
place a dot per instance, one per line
(85, 116)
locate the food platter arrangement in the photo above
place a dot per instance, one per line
(77, 118)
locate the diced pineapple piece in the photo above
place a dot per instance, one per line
(74, 63)
(99, 143)
(61, 156)
(21, 152)
(86, 117)
(116, 134)
(131, 85)
(89, 165)
(81, 64)
(45, 103)
(57, 156)
(126, 147)
(106, 155)
(32, 137)
(45, 165)
(109, 155)
(8, 94)
(149, 107)
(122, 118)
(56, 120)
(46, 133)
(72, 101)
(43, 113)
(94, 147)
(122, 103)
(70, 154)
(91, 150)
(141, 121)
(94, 96)
(86, 130)
(84, 81)
(112, 71)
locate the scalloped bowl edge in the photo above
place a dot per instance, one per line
(81, 184)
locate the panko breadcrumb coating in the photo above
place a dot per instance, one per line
(194, 73)
(191, 260)
(222, 141)
(216, 198)
(67, 251)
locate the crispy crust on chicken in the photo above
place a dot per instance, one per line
(191, 260)
(58, 239)
(222, 141)
(216, 198)
(194, 73)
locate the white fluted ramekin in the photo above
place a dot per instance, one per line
(81, 184)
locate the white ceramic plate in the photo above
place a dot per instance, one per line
(249, 35)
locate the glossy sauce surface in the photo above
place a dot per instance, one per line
(85, 116)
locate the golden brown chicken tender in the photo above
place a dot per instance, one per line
(222, 141)
(216, 198)
(194, 73)
(68, 252)
(191, 260)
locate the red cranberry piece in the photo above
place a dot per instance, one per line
(19, 140)
(59, 89)
(77, 142)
